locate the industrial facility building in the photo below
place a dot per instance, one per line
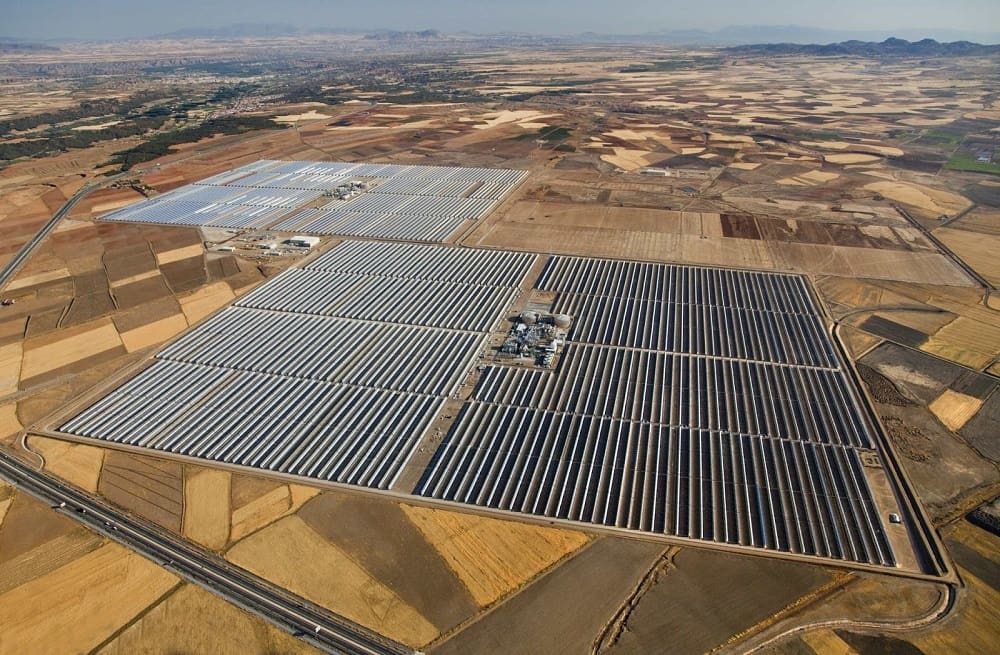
(301, 241)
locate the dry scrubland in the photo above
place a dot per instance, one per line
(794, 167)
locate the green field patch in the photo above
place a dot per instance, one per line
(941, 138)
(966, 161)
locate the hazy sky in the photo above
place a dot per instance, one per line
(89, 19)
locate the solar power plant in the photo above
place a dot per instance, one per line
(333, 371)
(693, 402)
(415, 203)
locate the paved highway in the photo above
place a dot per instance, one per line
(8, 271)
(948, 252)
(323, 629)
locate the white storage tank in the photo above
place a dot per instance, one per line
(562, 320)
(529, 317)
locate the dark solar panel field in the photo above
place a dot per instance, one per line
(691, 402)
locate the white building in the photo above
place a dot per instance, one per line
(303, 241)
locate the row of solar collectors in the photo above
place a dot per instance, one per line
(699, 329)
(300, 181)
(409, 227)
(445, 187)
(227, 177)
(209, 195)
(425, 187)
(486, 175)
(196, 213)
(257, 173)
(387, 203)
(495, 268)
(495, 190)
(392, 300)
(332, 168)
(696, 285)
(789, 496)
(293, 222)
(197, 193)
(396, 357)
(288, 198)
(214, 205)
(391, 171)
(310, 175)
(243, 387)
(388, 170)
(321, 430)
(273, 184)
(732, 396)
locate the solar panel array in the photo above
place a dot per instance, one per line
(333, 371)
(692, 402)
(415, 203)
(695, 402)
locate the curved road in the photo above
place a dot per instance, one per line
(941, 609)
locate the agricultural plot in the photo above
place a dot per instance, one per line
(317, 373)
(419, 203)
(691, 402)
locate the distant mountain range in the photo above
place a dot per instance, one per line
(393, 35)
(235, 31)
(266, 30)
(11, 46)
(729, 36)
(888, 48)
(755, 34)
(850, 41)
